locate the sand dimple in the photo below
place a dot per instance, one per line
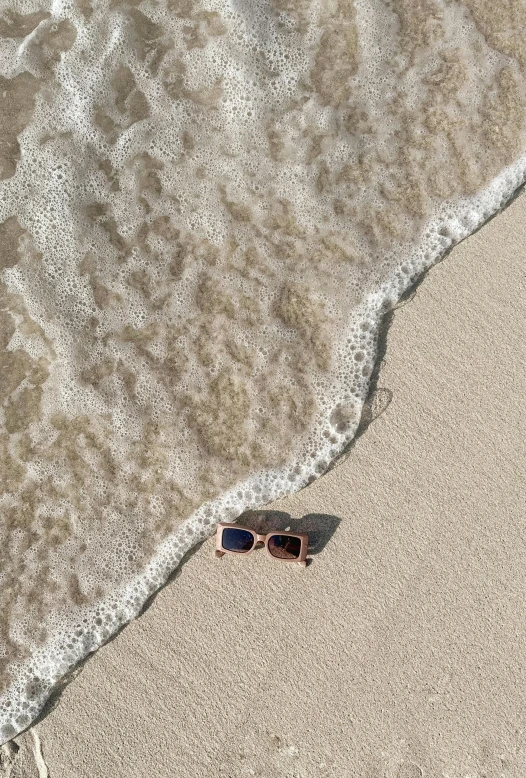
(205, 208)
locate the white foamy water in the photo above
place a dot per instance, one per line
(205, 210)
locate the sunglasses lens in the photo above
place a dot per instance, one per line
(284, 546)
(239, 540)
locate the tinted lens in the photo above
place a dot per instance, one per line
(239, 540)
(284, 546)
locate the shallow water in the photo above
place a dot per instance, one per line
(205, 210)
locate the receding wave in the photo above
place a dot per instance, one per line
(205, 209)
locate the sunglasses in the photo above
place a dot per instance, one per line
(283, 546)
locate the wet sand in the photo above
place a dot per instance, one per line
(400, 651)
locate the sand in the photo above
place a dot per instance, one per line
(400, 651)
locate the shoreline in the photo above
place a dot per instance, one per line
(135, 595)
(400, 639)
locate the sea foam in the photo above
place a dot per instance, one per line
(205, 210)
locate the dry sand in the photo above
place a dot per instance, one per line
(400, 651)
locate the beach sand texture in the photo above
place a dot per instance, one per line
(400, 651)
